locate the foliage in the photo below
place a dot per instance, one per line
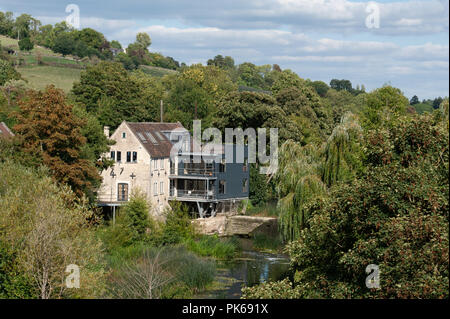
(297, 183)
(258, 193)
(271, 290)
(47, 126)
(382, 106)
(394, 215)
(343, 152)
(177, 225)
(136, 216)
(47, 229)
(25, 44)
(7, 72)
(114, 95)
(14, 283)
(212, 246)
(165, 272)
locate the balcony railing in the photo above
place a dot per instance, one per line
(194, 171)
(196, 193)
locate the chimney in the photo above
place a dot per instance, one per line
(106, 131)
(162, 111)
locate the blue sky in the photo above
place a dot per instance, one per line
(318, 39)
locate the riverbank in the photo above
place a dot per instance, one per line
(249, 269)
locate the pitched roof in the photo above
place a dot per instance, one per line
(5, 131)
(152, 137)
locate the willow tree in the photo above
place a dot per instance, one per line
(297, 181)
(342, 151)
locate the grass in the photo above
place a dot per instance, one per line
(264, 242)
(213, 246)
(268, 210)
(14, 44)
(190, 274)
(156, 71)
(39, 77)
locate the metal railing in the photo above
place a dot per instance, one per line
(195, 193)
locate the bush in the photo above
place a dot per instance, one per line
(49, 230)
(25, 44)
(271, 290)
(165, 272)
(212, 246)
(177, 227)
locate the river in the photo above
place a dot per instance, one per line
(249, 269)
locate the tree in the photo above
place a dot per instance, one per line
(383, 105)
(286, 79)
(113, 95)
(47, 229)
(143, 39)
(320, 87)
(136, 216)
(437, 102)
(25, 44)
(414, 100)
(7, 72)
(394, 214)
(250, 76)
(116, 44)
(64, 44)
(47, 126)
(340, 85)
(297, 182)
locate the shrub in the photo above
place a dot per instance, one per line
(212, 246)
(177, 227)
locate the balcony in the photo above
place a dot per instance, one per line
(194, 170)
(194, 194)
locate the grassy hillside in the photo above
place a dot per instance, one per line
(156, 71)
(13, 43)
(39, 77)
(57, 70)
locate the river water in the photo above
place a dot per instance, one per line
(251, 268)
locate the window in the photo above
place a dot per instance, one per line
(155, 188)
(128, 157)
(155, 164)
(161, 164)
(119, 156)
(222, 187)
(113, 155)
(245, 167)
(134, 157)
(122, 192)
(161, 188)
(222, 166)
(245, 185)
(124, 135)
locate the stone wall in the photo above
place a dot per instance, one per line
(237, 225)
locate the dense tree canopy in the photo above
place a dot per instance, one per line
(48, 128)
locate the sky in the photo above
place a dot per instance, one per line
(401, 43)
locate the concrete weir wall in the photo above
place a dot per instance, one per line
(239, 225)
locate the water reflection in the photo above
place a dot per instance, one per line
(250, 269)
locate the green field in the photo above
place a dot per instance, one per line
(13, 43)
(39, 77)
(156, 71)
